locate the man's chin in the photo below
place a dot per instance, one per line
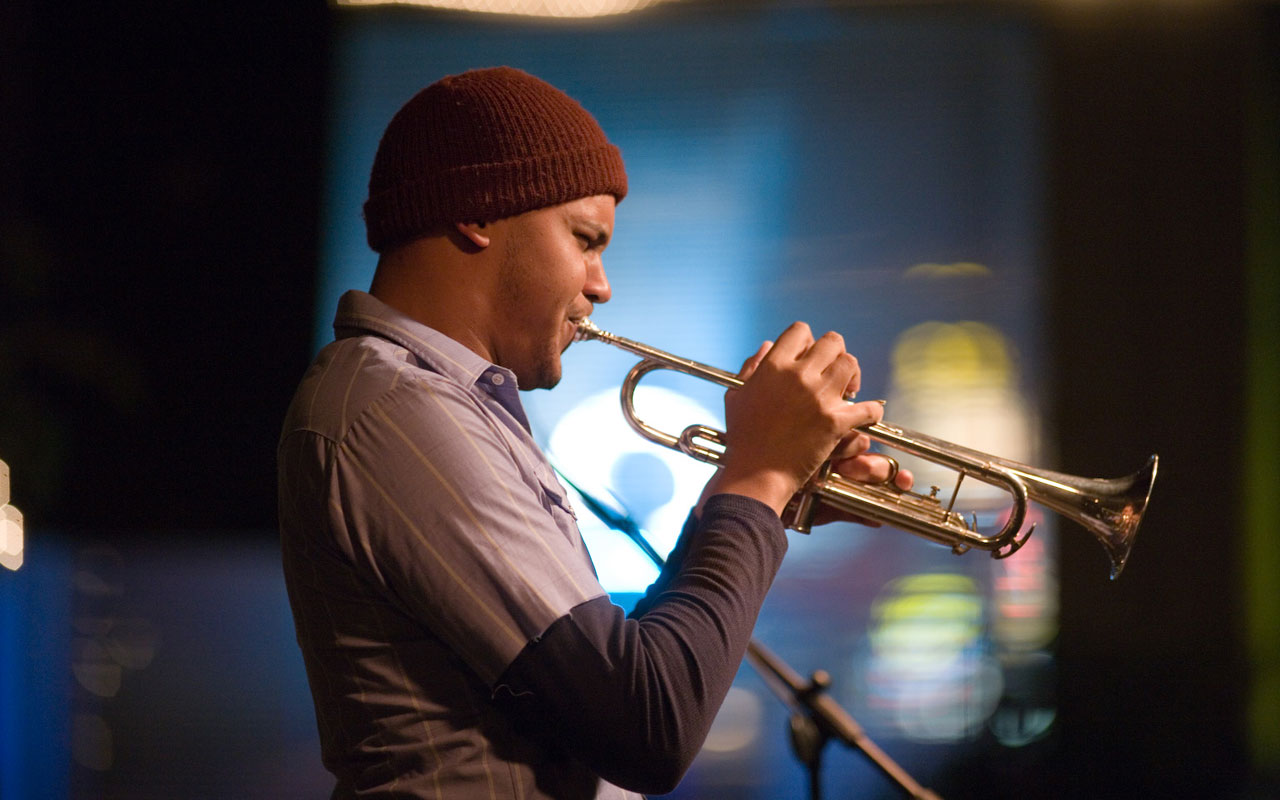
(547, 377)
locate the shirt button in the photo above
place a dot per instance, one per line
(497, 379)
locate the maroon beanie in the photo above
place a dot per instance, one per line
(482, 146)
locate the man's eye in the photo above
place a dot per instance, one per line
(591, 239)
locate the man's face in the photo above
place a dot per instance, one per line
(551, 276)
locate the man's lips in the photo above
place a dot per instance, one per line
(573, 333)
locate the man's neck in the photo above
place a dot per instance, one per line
(432, 281)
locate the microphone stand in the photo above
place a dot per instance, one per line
(816, 718)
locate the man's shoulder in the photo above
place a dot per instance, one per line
(352, 376)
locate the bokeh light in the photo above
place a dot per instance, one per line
(596, 449)
(929, 674)
(11, 528)
(569, 9)
(959, 382)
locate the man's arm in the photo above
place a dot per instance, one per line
(634, 698)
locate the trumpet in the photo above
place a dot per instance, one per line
(1109, 508)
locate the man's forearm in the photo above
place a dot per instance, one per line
(634, 698)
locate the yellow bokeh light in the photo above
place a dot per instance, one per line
(960, 269)
(11, 537)
(928, 672)
(959, 381)
(952, 356)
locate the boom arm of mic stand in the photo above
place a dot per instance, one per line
(825, 714)
(828, 717)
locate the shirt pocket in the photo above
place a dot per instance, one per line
(554, 497)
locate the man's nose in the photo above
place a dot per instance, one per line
(597, 288)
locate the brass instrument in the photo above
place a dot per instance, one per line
(1109, 508)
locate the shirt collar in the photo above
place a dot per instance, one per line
(360, 313)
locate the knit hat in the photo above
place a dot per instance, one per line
(482, 146)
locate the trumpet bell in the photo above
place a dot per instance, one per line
(1110, 509)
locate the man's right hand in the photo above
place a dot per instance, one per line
(790, 416)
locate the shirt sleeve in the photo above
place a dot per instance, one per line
(634, 698)
(447, 520)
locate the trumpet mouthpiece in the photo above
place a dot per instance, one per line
(587, 330)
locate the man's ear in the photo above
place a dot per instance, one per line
(474, 232)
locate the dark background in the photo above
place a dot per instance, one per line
(160, 171)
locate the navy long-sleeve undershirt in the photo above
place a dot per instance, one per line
(633, 697)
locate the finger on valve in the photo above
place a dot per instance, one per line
(876, 469)
(749, 366)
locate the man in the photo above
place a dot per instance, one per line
(456, 639)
